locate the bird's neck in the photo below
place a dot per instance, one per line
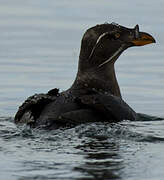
(101, 79)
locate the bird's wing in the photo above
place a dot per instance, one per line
(79, 116)
(33, 105)
(112, 107)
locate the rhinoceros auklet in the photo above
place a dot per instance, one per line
(95, 94)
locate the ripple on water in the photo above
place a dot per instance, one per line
(87, 151)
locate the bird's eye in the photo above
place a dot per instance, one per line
(117, 35)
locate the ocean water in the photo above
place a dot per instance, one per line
(39, 49)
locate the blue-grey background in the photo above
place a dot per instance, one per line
(40, 43)
(39, 48)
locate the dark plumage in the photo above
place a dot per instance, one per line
(95, 94)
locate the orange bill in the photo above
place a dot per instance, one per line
(144, 39)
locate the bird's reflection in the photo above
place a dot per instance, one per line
(101, 160)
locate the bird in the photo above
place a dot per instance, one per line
(94, 96)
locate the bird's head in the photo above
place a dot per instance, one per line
(103, 44)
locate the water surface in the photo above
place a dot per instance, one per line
(39, 48)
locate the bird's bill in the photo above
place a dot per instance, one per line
(143, 39)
